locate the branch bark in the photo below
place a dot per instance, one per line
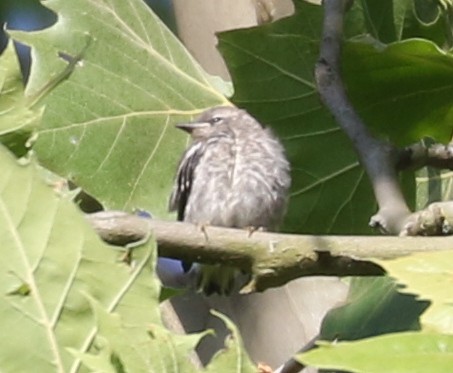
(273, 259)
(423, 154)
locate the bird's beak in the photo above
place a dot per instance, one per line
(189, 127)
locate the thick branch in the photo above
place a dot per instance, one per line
(273, 258)
(377, 157)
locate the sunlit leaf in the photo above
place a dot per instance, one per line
(52, 261)
(122, 346)
(109, 127)
(18, 117)
(393, 353)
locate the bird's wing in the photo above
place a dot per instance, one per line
(184, 178)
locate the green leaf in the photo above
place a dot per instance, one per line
(403, 90)
(169, 292)
(390, 21)
(122, 347)
(393, 353)
(52, 259)
(429, 275)
(18, 117)
(373, 307)
(109, 126)
(234, 357)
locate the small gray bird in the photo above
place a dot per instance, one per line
(234, 174)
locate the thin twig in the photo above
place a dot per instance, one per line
(423, 154)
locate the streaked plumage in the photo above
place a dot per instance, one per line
(234, 174)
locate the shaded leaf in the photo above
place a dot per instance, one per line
(379, 18)
(109, 127)
(402, 90)
(393, 353)
(272, 71)
(427, 11)
(374, 306)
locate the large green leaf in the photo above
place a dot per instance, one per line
(52, 261)
(68, 299)
(429, 275)
(402, 90)
(272, 70)
(393, 353)
(109, 127)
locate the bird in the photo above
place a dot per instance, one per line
(235, 174)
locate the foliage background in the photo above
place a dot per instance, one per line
(129, 81)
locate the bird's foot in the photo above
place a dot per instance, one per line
(203, 227)
(252, 230)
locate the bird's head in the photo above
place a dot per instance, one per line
(215, 121)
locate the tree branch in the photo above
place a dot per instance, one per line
(377, 157)
(273, 259)
(423, 154)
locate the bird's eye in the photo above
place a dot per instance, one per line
(216, 120)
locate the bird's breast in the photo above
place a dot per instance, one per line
(236, 184)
